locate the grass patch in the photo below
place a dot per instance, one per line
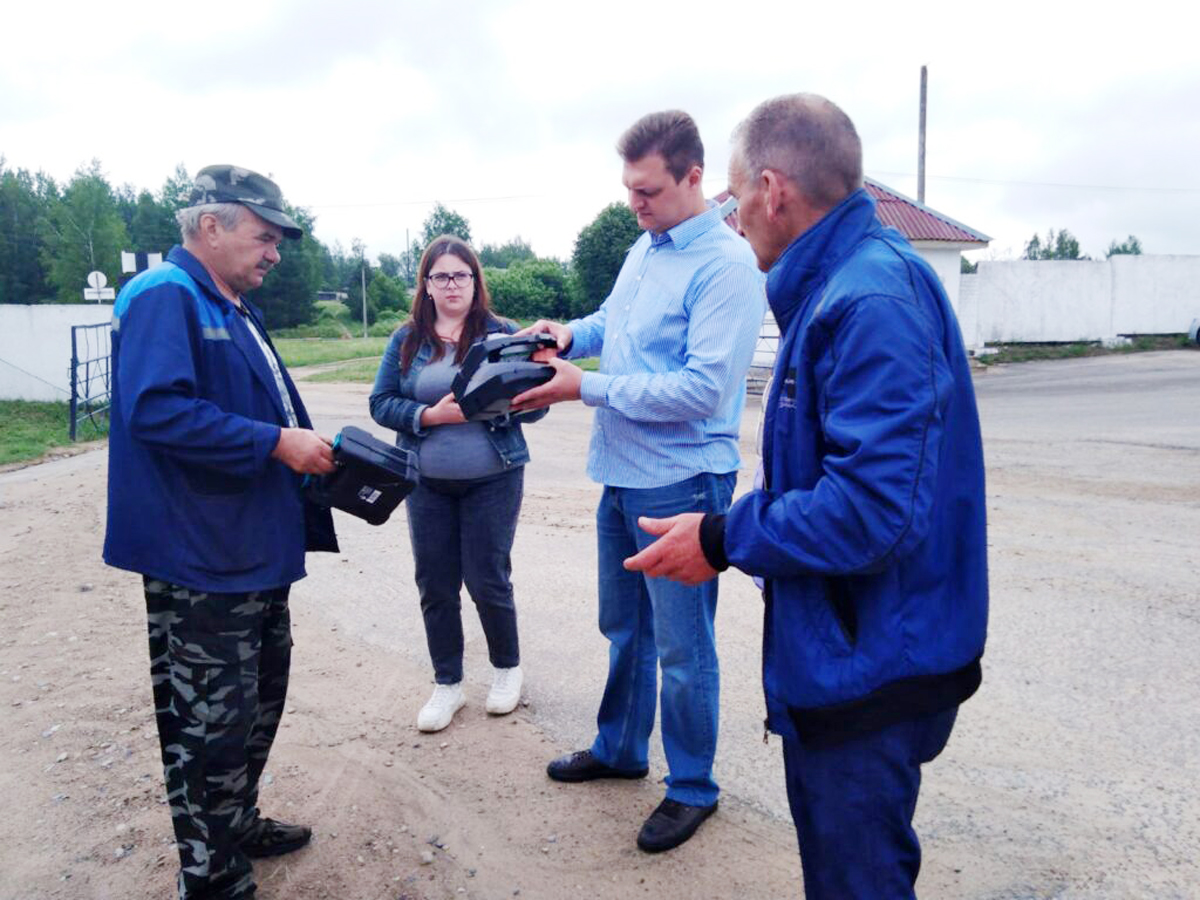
(358, 371)
(299, 352)
(1017, 353)
(29, 429)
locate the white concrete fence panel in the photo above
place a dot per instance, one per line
(35, 347)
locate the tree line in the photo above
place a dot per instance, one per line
(52, 235)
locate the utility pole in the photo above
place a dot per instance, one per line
(363, 272)
(921, 139)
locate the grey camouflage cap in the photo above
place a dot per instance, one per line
(233, 184)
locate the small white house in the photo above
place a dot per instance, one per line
(938, 238)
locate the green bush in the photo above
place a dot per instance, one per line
(324, 328)
(385, 325)
(533, 289)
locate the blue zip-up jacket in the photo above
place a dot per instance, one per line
(194, 497)
(871, 529)
(392, 404)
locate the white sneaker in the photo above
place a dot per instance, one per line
(435, 715)
(506, 691)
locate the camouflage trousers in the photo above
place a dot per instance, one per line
(219, 669)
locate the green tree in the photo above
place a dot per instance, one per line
(385, 293)
(410, 260)
(332, 262)
(354, 271)
(966, 267)
(501, 256)
(22, 274)
(1058, 245)
(153, 228)
(1129, 247)
(390, 265)
(288, 295)
(82, 232)
(444, 221)
(176, 190)
(600, 251)
(533, 289)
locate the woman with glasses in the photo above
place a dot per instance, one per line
(462, 516)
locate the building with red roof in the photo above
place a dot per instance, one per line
(938, 238)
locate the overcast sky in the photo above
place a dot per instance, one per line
(1048, 115)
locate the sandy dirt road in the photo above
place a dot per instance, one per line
(1074, 773)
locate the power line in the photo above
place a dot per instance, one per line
(426, 202)
(1051, 184)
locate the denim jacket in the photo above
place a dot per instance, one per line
(393, 404)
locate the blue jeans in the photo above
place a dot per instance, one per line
(652, 622)
(853, 805)
(463, 531)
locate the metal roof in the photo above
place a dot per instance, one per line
(916, 221)
(910, 218)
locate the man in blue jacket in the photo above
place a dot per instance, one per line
(208, 443)
(869, 528)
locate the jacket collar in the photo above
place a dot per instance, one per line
(239, 335)
(187, 261)
(807, 261)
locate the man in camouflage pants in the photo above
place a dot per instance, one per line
(208, 443)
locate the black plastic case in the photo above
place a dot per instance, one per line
(371, 479)
(495, 370)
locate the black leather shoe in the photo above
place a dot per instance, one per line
(267, 837)
(582, 766)
(671, 824)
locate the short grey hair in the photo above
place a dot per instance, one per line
(228, 214)
(808, 140)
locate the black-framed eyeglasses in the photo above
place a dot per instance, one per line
(443, 279)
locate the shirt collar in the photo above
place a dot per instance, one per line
(689, 229)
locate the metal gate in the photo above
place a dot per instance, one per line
(91, 364)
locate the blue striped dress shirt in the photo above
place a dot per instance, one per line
(675, 338)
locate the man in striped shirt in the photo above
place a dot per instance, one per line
(675, 338)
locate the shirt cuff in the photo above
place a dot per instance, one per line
(416, 420)
(712, 540)
(569, 353)
(593, 390)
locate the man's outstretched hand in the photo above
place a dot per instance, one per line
(676, 554)
(561, 333)
(563, 386)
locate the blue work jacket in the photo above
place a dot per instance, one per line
(870, 531)
(394, 405)
(194, 497)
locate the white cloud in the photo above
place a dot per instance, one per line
(508, 111)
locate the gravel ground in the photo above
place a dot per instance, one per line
(1072, 774)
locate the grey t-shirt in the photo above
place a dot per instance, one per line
(455, 452)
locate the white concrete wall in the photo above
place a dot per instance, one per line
(35, 348)
(1155, 294)
(1023, 301)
